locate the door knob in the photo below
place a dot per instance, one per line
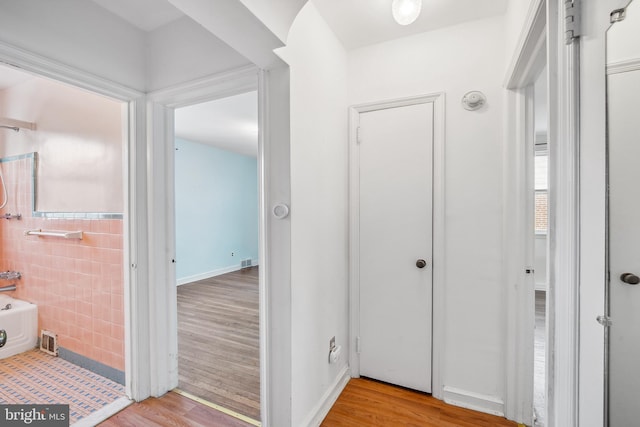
(630, 278)
(421, 263)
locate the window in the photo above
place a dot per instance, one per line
(541, 188)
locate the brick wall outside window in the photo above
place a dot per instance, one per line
(541, 212)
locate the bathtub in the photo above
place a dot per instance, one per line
(19, 325)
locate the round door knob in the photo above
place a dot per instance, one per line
(630, 278)
(421, 263)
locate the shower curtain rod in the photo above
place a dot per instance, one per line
(16, 125)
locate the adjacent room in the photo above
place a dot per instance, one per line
(540, 253)
(61, 252)
(216, 186)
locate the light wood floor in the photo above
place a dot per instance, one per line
(218, 341)
(363, 403)
(171, 410)
(366, 402)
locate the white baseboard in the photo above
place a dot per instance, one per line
(476, 401)
(214, 273)
(325, 404)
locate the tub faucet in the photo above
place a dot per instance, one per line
(6, 307)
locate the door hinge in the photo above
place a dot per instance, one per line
(618, 15)
(604, 320)
(571, 20)
(358, 345)
(358, 135)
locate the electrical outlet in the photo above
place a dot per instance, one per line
(332, 343)
(232, 254)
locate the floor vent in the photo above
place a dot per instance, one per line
(246, 263)
(49, 342)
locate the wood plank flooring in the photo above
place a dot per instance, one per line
(171, 410)
(363, 403)
(218, 341)
(367, 402)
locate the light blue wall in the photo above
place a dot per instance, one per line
(216, 209)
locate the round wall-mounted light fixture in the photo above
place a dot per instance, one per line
(473, 100)
(406, 11)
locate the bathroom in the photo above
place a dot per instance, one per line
(62, 242)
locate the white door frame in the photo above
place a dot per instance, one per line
(546, 19)
(518, 233)
(439, 231)
(135, 207)
(161, 106)
(272, 87)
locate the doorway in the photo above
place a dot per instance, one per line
(217, 234)
(65, 189)
(396, 236)
(540, 246)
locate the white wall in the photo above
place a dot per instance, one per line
(235, 24)
(85, 36)
(516, 16)
(182, 51)
(319, 271)
(456, 60)
(277, 15)
(77, 33)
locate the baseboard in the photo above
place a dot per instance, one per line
(214, 273)
(325, 404)
(92, 365)
(476, 401)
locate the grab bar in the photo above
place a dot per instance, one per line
(53, 233)
(10, 275)
(8, 288)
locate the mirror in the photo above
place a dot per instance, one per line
(623, 148)
(79, 138)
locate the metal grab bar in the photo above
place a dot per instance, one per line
(53, 233)
(8, 288)
(10, 275)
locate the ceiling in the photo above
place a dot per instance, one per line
(357, 23)
(147, 15)
(232, 123)
(360, 23)
(228, 123)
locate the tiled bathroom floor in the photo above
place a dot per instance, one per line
(38, 378)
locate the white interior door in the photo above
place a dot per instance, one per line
(624, 248)
(395, 205)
